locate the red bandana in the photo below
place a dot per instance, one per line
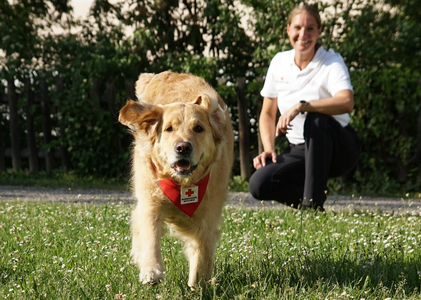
(187, 200)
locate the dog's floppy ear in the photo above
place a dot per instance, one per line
(217, 115)
(140, 116)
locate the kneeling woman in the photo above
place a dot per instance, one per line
(312, 89)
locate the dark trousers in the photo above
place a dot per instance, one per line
(301, 173)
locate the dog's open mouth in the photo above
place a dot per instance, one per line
(183, 167)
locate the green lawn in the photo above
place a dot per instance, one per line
(81, 251)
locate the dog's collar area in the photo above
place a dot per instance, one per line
(186, 199)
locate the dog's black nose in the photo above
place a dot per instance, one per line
(183, 148)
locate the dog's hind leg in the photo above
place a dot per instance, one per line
(147, 227)
(200, 251)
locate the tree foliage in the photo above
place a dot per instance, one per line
(219, 40)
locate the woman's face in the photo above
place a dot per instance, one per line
(303, 33)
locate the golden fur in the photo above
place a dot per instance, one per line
(172, 109)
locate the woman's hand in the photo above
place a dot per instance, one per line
(260, 160)
(284, 122)
(267, 128)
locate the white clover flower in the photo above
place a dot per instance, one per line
(213, 281)
(239, 221)
(120, 296)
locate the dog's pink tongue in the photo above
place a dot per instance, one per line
(183, 164)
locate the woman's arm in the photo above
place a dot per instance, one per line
(342, 102)
(267, 123)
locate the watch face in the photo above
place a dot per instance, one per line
(303, 106)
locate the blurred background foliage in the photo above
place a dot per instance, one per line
(85, 61)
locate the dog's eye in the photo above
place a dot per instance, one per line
(198, 129)
(168, 129)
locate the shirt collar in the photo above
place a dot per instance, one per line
(314, 63)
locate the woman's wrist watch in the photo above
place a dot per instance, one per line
(303, 106)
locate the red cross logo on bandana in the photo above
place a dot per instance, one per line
(188, 199)
(189, 193)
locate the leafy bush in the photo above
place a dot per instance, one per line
(379, 41)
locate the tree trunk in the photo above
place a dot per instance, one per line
(94, 93)
(110, 90)
(46, 125)
(419, 138)
(2, 141)
(130, 90)
(14, 124)
(259, 79)
(65, 160)
(30, 128)
(243, 128)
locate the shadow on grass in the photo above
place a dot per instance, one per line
(383, 275)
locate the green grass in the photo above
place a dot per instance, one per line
(81, 251)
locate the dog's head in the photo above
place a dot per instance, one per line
(183, 139)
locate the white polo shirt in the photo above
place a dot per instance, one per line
(325, 75)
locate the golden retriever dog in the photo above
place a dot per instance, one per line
(182, 158)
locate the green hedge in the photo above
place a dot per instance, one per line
(381, 47)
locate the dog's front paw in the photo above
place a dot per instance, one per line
(151, 277)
